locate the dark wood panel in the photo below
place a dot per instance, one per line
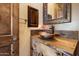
(16, 27)
(4, 41)
(5, 51)
(33, 17)
(5, 19)
(5, 46)
(5, 29)
(76, 52)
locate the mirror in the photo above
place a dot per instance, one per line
(55, 13)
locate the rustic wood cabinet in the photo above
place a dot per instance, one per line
(9, 29)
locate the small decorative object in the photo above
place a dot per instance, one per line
(57, 12)
(32, 17)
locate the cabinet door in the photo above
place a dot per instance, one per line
(9, 29)
(5, 19)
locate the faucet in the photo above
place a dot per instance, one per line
(52, 29)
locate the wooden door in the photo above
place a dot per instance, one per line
(9, 29)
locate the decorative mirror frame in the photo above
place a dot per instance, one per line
(48, 20)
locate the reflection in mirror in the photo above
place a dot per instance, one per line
(57, 12)
(51, 10)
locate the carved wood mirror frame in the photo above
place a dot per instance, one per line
(47, 19)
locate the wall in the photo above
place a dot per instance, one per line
(74, 25)
(24, 31)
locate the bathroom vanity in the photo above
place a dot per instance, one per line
(63, 46)
(57, 46)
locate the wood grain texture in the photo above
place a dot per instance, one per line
(4, 41)
(5, 46)
(16, 27)
(5, 29)
(33, 17)
(5, 18)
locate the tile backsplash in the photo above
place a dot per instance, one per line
(68, 34)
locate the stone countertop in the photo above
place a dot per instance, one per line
(68, 45)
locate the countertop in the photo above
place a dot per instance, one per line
(65, 44)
